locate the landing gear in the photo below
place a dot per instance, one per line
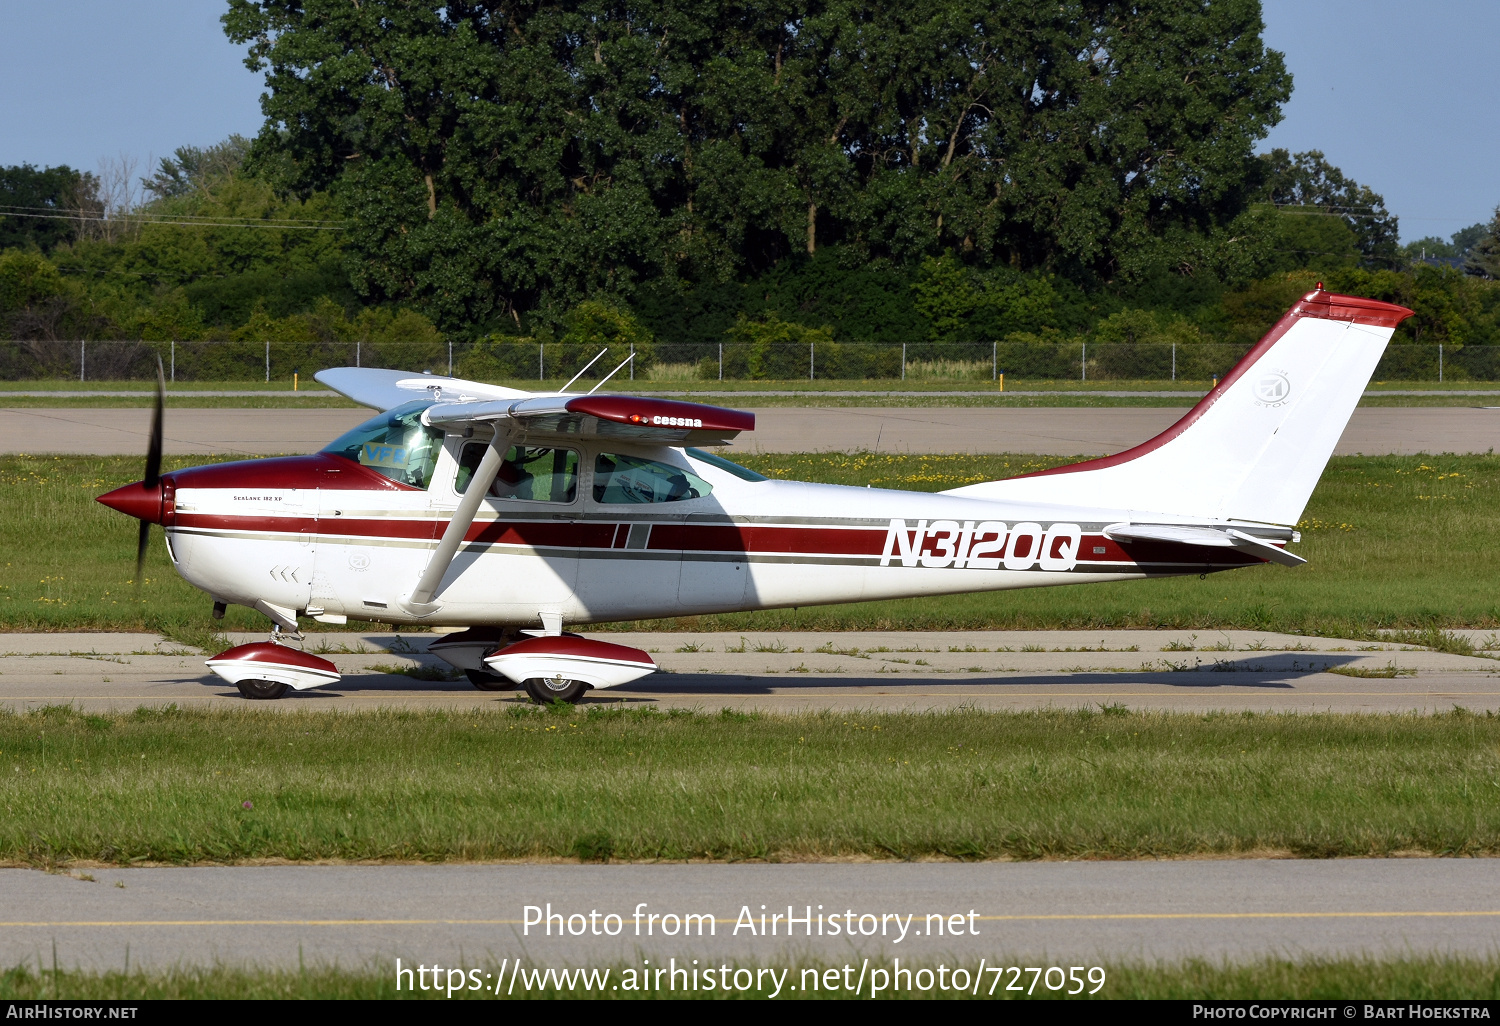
(486, 681)
(261, 689)
(546, 690)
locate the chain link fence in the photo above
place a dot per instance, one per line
(527, 360)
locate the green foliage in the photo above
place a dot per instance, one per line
(193, 169)
(1310, 186)
(593, 326)
(494, 166)
(770, 348)
(1483, 258)
(25, 189)
(27, 280)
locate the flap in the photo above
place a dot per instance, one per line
(627, 418)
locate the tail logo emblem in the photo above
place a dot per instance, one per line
(1273, 389)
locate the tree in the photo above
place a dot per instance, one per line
(35, 204)
(499, 158)
(1310, 185)
(191, 169)
(1483, 258)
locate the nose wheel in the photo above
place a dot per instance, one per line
(546, 690)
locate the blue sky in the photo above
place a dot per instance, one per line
(1398, 94)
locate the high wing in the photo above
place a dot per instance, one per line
(545, 416)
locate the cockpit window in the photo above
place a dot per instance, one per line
(396, 444)
(622, 479)
(530, 472)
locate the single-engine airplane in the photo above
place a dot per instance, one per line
(510, 514)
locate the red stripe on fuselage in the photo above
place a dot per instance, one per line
(720, 539)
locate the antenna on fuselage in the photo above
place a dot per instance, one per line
(581, 373)
(611, 374)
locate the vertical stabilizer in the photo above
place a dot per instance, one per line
(1255, 446)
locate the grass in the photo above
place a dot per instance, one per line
(1396, 543)
(179, 786)
(1434, 977)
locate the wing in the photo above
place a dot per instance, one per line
(386, 389)
(624, 417)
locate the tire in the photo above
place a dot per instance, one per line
(261, 689)
(546, 690)
(486, 681)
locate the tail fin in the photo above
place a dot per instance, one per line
(1255, 446)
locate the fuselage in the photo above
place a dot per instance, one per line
(593, 530)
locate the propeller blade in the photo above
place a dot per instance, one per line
(153, 470)
(153, 452)
(142, 540)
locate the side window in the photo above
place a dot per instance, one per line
(529, 473)
(622, 479)
(395, 444)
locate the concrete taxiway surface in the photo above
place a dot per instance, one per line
(1056, 431)
(798, 672)
(1026, 914)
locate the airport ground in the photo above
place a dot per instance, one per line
(1374, 761)
(1049, 431)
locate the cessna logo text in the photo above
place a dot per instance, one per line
(982, 545)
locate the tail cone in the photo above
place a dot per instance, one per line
(139, 500)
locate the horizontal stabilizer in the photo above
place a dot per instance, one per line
(1218, 537)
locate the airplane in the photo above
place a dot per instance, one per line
(503, 515)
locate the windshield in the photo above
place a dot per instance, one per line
(395, 444)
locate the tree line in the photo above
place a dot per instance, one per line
(946, 172)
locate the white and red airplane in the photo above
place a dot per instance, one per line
(513, 513)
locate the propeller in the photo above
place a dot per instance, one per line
(153, 469)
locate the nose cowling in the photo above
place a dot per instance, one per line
(139, 500)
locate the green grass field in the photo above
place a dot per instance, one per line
(174, 786)
(1416, 977)
(1394, 542)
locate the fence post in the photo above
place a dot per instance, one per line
(174, 361)
(810, 361)
(1083, 365)
(903, 361)
(82, 354)
(632, 361)
(450, 358)
(1440, 363)
(540, 365)
(721, 361)
(356, 353)
(1174, 361)
(994, 360)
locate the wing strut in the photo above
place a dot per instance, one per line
(420, 601)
